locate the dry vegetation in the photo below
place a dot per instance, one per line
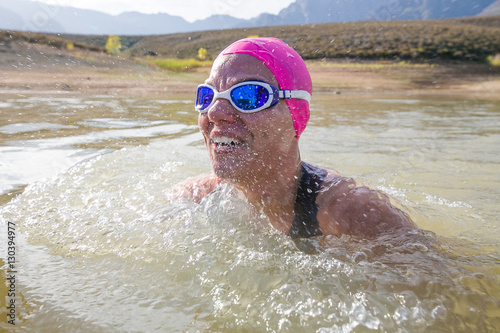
(459, 39)
(7, 37)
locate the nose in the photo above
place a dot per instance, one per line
(222, 111)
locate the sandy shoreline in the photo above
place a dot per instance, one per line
(29, 69)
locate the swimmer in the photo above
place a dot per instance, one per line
(252, 110)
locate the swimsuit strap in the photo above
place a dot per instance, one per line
(306, 222)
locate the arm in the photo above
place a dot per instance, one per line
(196, 188)
(359, 211)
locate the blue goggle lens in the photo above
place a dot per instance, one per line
(250, 96)
(204, 97)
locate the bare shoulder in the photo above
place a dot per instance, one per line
(348, 208)
(196, 188)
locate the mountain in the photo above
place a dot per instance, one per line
(440, 9)
(493, 9)
(325, 11)
(322, 11)
(10, 19)
(28, 16)
(217, 22)
(35, 16)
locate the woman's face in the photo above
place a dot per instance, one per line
(243, 146)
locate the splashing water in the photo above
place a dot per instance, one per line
(104, 248)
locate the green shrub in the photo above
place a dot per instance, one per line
(494, 61)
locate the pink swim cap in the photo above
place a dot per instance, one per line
(287, 66)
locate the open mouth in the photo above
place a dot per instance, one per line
(224, 143)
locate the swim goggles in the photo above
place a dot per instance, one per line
(246, 97)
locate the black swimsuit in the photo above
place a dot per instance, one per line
(306, 222)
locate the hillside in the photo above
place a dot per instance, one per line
(34, 16)
(437, 9)
(39, 63)
(465, 39)
(457, 39)
(9, 37)
(493, 9)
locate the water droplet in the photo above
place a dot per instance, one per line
(360, 256)
(284, 325)
(421, 247)
(439, 312)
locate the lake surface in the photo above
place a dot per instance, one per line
(101, 247)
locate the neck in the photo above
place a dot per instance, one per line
(274, 192)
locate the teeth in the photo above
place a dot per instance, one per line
(224, 140)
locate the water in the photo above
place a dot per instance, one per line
(103, 248)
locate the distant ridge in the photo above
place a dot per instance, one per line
(25, 15)
(493, 9)
(460, 39)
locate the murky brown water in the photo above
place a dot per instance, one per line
(101, 248)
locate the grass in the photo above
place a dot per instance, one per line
(172, 64)
(79, 55)
(377, 65)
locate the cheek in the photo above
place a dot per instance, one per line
(281, 127)
(273, 129)
(203, 123)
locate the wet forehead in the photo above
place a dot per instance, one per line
(229, 70)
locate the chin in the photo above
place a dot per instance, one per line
(227, 171)
(231, 169)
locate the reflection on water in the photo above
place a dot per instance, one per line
(104, 248)
(31, 127)
(79, 129)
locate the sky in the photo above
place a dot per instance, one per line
(190, 10)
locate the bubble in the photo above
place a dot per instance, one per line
(420, 247)
(439, 312)
(360, 256)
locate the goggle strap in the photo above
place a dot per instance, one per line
(298, 94)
